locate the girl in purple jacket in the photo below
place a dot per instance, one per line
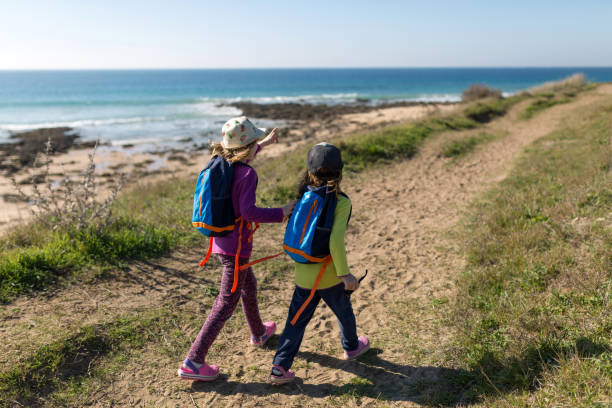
(239, 144)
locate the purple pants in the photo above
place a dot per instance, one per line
(224, 307)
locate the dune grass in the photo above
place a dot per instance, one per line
(461, 147)
(534, 311)
(489, 109)
(543, 103)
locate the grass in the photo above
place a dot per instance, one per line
(40, 264)
(65, 365)
(542, 104)
(555, 93)
(461, 147)
(149, 222)
(534, 299)
(486, 111)
(534, 305)
(396, 142)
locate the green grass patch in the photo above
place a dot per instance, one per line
(461, 147)
(542, 104)
(396, 142)
(483, 112)
(280, 176)
(43, 260)
(67, 363)
(536, 292)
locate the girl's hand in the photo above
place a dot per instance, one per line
(350, 282)
(271, 138)
(288, 208)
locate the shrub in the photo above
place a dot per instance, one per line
(574, 83)
(479, 91)
(483, 112)
(68, 203)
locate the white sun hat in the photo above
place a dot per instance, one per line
(238, 132)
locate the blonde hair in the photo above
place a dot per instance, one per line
(322, 177)
(232, 155)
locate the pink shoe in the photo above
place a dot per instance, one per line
(189, 371)
(362, 346)
(280, 376)
(260, 341)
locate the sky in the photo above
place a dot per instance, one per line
(109, 34)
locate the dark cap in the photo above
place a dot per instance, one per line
(324, 155)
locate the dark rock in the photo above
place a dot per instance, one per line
(23, 152)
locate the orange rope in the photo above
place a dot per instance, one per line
(210, 245)
(313, 208)
(243, 267)
(312, 291)
(236, 266)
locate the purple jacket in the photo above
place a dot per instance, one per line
(243, 198)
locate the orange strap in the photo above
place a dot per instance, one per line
(253, 232)
(236, 266)
(265, 258)
(207, 257)
(312, 291)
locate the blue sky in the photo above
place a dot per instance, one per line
(72, 34)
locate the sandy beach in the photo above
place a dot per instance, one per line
(299, 124)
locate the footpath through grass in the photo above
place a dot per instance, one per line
(151, 220)
(534, 304)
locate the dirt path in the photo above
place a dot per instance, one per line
(401, 217)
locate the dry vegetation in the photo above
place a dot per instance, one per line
(479, 91)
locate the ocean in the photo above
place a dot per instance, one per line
(156, 108)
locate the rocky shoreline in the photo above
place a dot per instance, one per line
(304, 112)
(22, 153)
(301, 118)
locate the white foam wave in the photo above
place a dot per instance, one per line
(20, 127)
(436, 98)
(339, 98)
(314, 99)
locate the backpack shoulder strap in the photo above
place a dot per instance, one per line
(351, 212)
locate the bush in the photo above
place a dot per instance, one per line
(572, 84)
(66, 202)
(479, 91)
(483, 112)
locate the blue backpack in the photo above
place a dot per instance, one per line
(213, 212)
(309, 227)
(308, 232)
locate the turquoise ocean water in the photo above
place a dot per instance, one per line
(159, 107)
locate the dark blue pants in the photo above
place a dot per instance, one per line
(291, 338)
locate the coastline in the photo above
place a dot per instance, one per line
(298, 124)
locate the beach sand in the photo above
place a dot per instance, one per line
(72, 157)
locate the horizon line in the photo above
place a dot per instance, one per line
(306, 68)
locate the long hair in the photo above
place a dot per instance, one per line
(323, 176)
(232, 155)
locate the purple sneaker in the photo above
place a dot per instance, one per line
(281, 376)
(260, 341)
(362, 346)
(189, 371)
